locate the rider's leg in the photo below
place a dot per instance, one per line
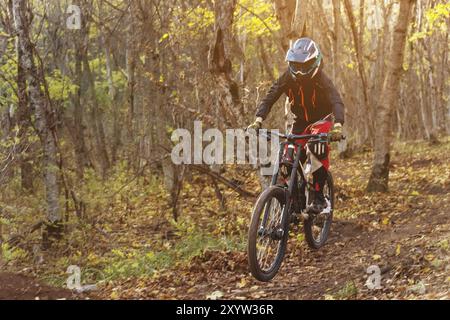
(320, 175)
(319, 180)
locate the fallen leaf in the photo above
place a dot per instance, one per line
(114, 295)
(376, 257)
(242, 283)
(397, 250)
(215, 295)
(429, 257)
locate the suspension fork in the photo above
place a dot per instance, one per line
(273, 183)
(277, 164)
(291, 186)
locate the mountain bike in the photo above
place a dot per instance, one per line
(287, 200)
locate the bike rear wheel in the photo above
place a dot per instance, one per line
(267, 237)
(317, 227)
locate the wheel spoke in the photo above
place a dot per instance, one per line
(267, 247)
(262, 254)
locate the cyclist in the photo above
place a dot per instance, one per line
(313, 98)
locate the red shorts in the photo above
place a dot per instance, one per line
(317, 128)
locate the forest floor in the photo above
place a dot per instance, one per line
(405, 232)
(20, 287)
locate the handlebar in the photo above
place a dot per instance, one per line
(293, 137)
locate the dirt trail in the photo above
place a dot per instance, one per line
(20, 287)
(405, 233)
(408, 255)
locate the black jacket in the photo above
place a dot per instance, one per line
(311, 100)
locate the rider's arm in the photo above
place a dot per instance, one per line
(334, 99)
(275, 92)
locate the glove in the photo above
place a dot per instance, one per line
(336, 132)
(255, 125)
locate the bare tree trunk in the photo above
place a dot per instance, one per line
(359, 57)
(113, 97)
(285, 10)
(362, 22)
(291, 15)
(24, 121)
(433, 96)
(88, 93)
(130, 71)
(337, 37)
(446, 105)
(379, 178)
(81, 153)
(1, 243)
(264, 60)
(44, 123)
(226, 91)
(96, 119)
(299, 22)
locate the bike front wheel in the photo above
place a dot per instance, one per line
(267, 237)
